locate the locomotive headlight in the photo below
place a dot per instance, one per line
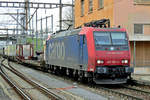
(100, 61)
(124, 61)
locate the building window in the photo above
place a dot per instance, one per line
(142, 1)
(138, 28)
(90, 5)
(82, 7)
(100, 3)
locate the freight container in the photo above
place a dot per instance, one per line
(25, 51)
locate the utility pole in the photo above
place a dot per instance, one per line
(7, 38)
(41, 35)
(36, 32)
(72, 14)
(60, 15)
(46, 26)
(17, 25)
(26, 13)
(32, 31)
(52, 23)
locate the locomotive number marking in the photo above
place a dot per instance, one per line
(57, 50)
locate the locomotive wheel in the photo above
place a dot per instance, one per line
(82, 78)
(75, 75)
(57, 70)
(44, 69)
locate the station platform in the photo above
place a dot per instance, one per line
(141, 73)
(142, 77)
(142, 70)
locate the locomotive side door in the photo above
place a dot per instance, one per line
(81, 44)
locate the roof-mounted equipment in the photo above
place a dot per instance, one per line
(103, 23)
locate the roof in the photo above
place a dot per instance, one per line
(84, 30)
(66, 33)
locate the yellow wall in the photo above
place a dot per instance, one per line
(147, 29)
(106, 12)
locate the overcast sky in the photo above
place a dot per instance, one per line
(41, 14)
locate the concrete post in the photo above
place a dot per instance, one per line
(134, 54)
(36, 33)
(72, 14)
(17, 25)
(60, 15)
(46, 26)
(41, 36)
(52, 23)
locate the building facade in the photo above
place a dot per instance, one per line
(134, 15)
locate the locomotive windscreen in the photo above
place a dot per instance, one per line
(116, 39)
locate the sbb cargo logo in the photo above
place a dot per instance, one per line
(57, 50)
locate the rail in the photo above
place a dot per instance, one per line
(15, 86)
(41, 88)
(138, 90)
(123, 95)
(135, 90)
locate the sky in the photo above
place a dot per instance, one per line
(4, 19)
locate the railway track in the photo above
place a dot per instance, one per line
(15, 86)
(139, 89)
(141, 85)
(133, 91)
(119, 94)
(136, 91)
(45, 91)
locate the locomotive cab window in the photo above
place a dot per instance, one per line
(102, 38)
(106, 39)
(118, 38)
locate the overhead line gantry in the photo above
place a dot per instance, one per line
(32, 5)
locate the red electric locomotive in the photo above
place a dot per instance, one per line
(108, 53)
(95, 52)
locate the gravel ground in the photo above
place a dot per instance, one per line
(3, 96)
(78, 93)
(27, 87)
(6, 91)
